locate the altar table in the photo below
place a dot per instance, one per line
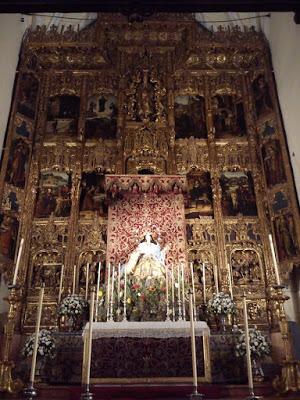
(154, 350)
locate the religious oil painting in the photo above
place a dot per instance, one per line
(199, 201)
(11, 201)
(262, 97)
(280, 201)
(9, 226)
(49, 274)
(23, 127)
(62, 115)
(190, 117)
(228, 117)
(273, 163)
(245, 267)
(92, 197)
(27, 95)
(101, 121)
(18, 163)
(285, 234)
(54, 195)
(268, 129)
(238, 197)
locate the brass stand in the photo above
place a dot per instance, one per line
(87, 395)
(7, 384)
(29, 393)
(289, 380)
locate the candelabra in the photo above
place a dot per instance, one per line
(7, 384)
(289, 380)
(168, 310)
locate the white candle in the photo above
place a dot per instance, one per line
(178, 280)
(97, 290)
(167, 286)
(247, 342)
(183, 292)
(230, 281)
(60, 282)
(204, 283)
(193, 343)
(119, 284)
(90, 338)
(18, 261)
(216, 278)
(74, 279)
(87, 280)
(173, 292)
(193, 285)
(112, 292)
(125, 298)
(37, 330)
(108, 290)
(274, 260)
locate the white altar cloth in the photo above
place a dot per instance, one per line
(147, 329)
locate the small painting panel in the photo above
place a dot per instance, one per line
(285, 235)
(23, 127)
(245, 267)
(18, 163)
(238, 198)
(273, 163)
(280, 201)
(101, 121)
(11, 200)
(267, 130)
(9, 226)
(49, 274)
(27, 95)
(199, 201)
(62, 115)
(92, 197)
(228, 117)
(262, 98)
(54, 195)
(190, 117)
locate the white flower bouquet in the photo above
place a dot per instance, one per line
(259, 345)
(72, 306)
(221, 304)
(46, 344)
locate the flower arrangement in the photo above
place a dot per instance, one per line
(72, 306)
(46, 344)
(259, 345)
(221, 304)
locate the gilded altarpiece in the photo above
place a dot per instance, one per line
(163, 96)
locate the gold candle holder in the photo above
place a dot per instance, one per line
(7, 384)
(289, 380)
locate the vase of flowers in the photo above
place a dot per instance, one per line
(220, 306)
(72, 311)
(259, 348)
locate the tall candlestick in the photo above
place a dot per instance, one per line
(216, 278)
(36, 337)
(193, 287)
(112, 294)
(97, 291)
(274, 260)
(173, 292)
(179, 293)
(167, 294)
(60, 282)
(248, 353)
(183, 292)
(204, 283)
(18, 262)
(119, 284)
(230, 281)
(90, 338)
(125, 295)
(87, 278)
(74, 279)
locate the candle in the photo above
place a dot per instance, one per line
(18, 262)
(87, 280)
(230, 281)
(107, 291)
(178, 280)
(112, 293)
(36, 337)
(74, 279)
(173, 292)
(90, 337)
(193, 343)
(193, 285)
(274, 260)
(167, 288)
(119, 284)
(60, 282)
(183, 292)
(125, 299)
(216, 278)
(247, 342)
(97, 290)
(204, 283)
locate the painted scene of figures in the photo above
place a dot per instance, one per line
(245, 267)
(11, 201)
(273, 163)
(62, 115)
(238, 198)
(199, 200)
(101, 119)
(228, 117)
(285, 235)
(18, 163)
(49, 274)
(190, 117)
(27, 95)
(92, 197)
(262, 98)
(23, 127)
(54, 195)
(8, 235)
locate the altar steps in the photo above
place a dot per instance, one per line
(155, 392)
